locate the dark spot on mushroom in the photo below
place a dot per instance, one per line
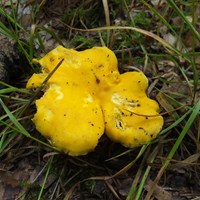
(89, 60)
(105, 123)
(65, 115)
(131, 114)
(92, 124)
(100, 66)
(142, 129)
(97, 80)
(48, 137)
(151, 135)
(138, 105)
(139, 81)
(146, 118)
(119, 124)
(104, 75)
(67, 82)
(108, 56)
(51, 59)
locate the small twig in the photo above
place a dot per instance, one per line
(42, 86)
(157, 115)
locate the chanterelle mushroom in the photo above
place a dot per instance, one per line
(69, 113)
(87, 96)
(131, 118)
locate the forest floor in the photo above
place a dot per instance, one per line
(160, 38)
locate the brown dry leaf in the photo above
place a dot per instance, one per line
(6, 177)
(191, 160)
(1, 190)
(26, 20)
(9, 186)
(161, 98)
(167, 36)
(158, 2)
(159, 192)
(125, 185)
(8, 2)
(197, 62)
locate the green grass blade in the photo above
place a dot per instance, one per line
(14, 120)
(19, 128)
(178, 121)
(10, 89)
(184, 18)
(146, 173)
(164, 21)
(11, 19)
(45, 178)
(195, 112)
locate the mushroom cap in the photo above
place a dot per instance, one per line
(131, 118)
(94, 68)
(71, 118)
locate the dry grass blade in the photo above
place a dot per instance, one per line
(190, 161)
(159, 192)
(106, 11)
(112, 190)
(195, 112)
(161, 98)
(72, 189)
(107, 16)
(158, 38)
(170, 49)
(39, 89)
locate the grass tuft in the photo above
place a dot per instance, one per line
(161, 40)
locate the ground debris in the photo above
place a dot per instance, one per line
(9, 185)
(159, 192)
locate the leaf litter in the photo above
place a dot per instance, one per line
(91, 177)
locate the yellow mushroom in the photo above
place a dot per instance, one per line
(69, 114)
(87, 96)
(131, 118)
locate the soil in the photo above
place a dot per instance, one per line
(89, 177)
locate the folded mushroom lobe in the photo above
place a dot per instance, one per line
(131, 118)
(70, 118)
(95, 69)
(69, 114)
